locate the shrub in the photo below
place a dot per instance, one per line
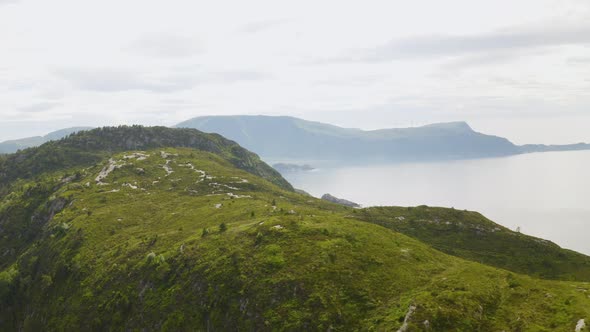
(151, 256)
(259, 238)
(205, 232)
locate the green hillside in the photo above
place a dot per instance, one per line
(88, 147)
(471, 236)
(180, 239)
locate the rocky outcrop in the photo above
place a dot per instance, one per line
(407, 318)
(52, 208)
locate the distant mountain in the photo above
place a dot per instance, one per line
(285, 138)
(28, 142)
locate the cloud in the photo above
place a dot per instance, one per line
(493, 57)
(166, 45)
(38, 107)
(115, 80)
(118, 80)
(259, 26)
(233, 76)
(579, 60)
(506, 42)
(460, 45)
(7, 2)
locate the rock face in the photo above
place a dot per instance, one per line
(333, 199)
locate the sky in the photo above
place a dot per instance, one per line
(518, 69)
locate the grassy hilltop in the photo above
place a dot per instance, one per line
(162, 229)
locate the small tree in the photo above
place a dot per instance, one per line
(274, 202)
(222, 227)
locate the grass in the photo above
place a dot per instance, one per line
(147, 251)
(471, 236)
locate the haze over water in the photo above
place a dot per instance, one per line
(545, 194)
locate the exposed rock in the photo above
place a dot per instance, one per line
(129, 185)
(333, 199)
(581, 325)
(409, 314)
(106, 171)
(167, 168)
(53, 208)
(138, 156)
(165, 154)
(69, 179)
(232, 195)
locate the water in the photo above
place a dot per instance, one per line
(545, 194)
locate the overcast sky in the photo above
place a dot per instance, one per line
(519, 69)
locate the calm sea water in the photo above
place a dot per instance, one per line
(545, 194)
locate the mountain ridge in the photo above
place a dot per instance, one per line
(180, 238)
(283, 138)
(87, 146)
(11, 146)
(316, 140)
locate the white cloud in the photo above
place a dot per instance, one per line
(167, 45)
(120, 80)
(113, 80)
(38, 107)
(258, 26)
(109, 62)
(507, 39)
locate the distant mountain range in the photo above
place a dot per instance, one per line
(23, 143)
(288, 138)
